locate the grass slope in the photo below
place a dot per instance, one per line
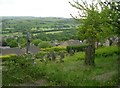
(72, 72)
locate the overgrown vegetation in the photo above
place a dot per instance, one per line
(71, 72)
(81, 65)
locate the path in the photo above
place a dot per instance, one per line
(41, 82)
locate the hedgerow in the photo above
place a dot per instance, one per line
(56, 48)
(76, 48)
(7, 57)
(107, 51)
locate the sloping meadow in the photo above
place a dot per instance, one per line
(71, 72)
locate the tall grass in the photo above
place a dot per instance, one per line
(72, 72)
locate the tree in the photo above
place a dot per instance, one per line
(13, 43)
(115, 21)
(22, 42)
(36, 42)
(94, 26)
(44, 44)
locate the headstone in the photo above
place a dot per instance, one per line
(107, 43)
(61, 56)
(28, 43)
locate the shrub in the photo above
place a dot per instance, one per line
(77, 56)
(56, 48)
(7, 57)
(76, 48)
(40, 55)
(44, 44)
(17, 70)
(107, 51)
(18, 62)
(13, 43)
(36, 41)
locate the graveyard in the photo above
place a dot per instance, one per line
(57, 63)
(56, 51)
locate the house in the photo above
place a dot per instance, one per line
(70, 43)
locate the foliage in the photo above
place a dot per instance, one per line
(72, 72)
(36, 42)
(7, 57)
(22, 42)
(15, 70)
(23, 24)
(92, 25)
(40, 55)
(76, 57)
(13, 43)
(114, 15)
(20, 25)
(95, 26)
(16, 41)
(66, 35)
(100, 52)
(76, 73)
(44, 44)
(76, 48)
(55, 48)
(107, 51)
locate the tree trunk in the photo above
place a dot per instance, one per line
(118, 59)
(90, 55)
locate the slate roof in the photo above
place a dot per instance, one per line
(12, 51)
(18, 51)
(70, 43)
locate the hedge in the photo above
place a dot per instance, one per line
(76, 48)
(107, 51)
(7, 57)
(40, 55)
(56, 48)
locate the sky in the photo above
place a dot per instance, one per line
(38, 8)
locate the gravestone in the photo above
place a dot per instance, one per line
(28, 43)
(61, 56)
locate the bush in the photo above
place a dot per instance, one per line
(100, 52)
(7, 57)
(56, 48)
(13, 43)
(17, 70)
(76, 57)
(36, 42)
(40, 55)
(44, 44)
(76, 48)
(18, 62)
(107, 51)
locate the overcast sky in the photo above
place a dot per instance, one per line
(42, 8)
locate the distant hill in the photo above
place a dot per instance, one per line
(21, 23)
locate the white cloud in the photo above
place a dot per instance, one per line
(55, 8)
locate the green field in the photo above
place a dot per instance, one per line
(54, 32)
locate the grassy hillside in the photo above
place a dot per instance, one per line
(20, 70)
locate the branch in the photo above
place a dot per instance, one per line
(81, 15)
(74, 17)
(80, 7)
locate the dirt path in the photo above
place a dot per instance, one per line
(41, 82)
